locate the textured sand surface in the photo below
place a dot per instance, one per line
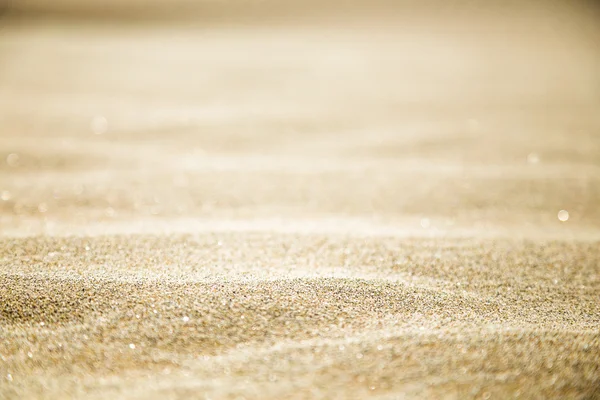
(350, 210)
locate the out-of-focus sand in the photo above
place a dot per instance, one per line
(214, 208)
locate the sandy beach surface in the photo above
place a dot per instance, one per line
(400, 204)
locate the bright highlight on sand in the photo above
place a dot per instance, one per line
(12, 160)
(533, 158)
(99, 125)
(563, 215)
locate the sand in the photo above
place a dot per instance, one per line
(363, 209)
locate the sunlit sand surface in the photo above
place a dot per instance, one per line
(388, 206)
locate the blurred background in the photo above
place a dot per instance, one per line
(427, 115)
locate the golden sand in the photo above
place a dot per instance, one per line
(393, 211)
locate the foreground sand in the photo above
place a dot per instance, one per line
(263, 315)
(307, 212)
